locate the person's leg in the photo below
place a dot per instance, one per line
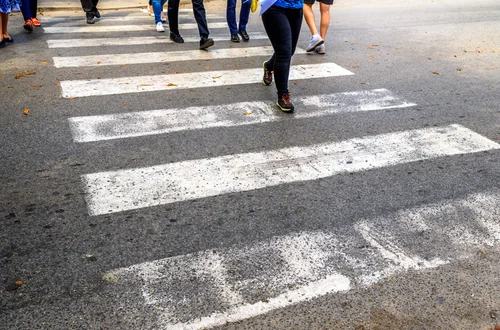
(87, 5)
(33, 8)
(2, 41)
(231, 16)
(26, 9)
(244, 15)
(157, 9)
(173, 16)
(5, 20)
(309, 17)
(279, 32)
(200, 17)
(325, 19)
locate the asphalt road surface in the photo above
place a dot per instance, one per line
(151, 185)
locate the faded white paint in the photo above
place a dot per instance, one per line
(133, 124)
(122, 28)
(117, 191)
(163, 57)
(82, 88)
(131, 41)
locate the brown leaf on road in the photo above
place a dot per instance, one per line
(438, 73)
(170, 84)
(246, 113)
(215, 77)
(364, 83)
(26, 111)
(24, 74)
(44, 62)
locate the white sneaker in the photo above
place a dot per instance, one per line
(159, 27)
(320, 49)
(316, 40)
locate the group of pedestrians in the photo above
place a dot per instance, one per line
(27, 7)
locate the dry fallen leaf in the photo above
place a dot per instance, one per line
(43, 62)
(99, 62)
(208, 67)
(246, 113)
(124, 103)
(142, 85)
(19, 283)
(25, 73)
(459, 69)
(170, 84)
(364, 83)
(435, 72)
(26, 111)
(215, 77)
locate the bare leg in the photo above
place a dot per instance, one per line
(309, 17)
(1, 26)
(5, 20)
(325, 19)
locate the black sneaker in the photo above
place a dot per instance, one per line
(206, 42)
(285, 104)
(244, 35)
(176, 38)
(267, 79)
(96, 12)
(235, 38)
(90, 18)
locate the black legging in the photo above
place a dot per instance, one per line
(283, 28)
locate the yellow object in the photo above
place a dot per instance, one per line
(253, 6)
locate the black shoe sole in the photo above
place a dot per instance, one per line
(207, 44)
(247, 39)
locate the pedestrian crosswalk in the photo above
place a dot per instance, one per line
(295, 267)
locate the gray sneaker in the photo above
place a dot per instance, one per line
(320, 49)
(316, 40)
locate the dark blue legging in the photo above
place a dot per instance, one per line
(283, 28)
(29, 8)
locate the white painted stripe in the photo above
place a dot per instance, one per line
(82, 88)
(130, 41)
(161, 57)
(286, 270)
(126, 125)
(122, 28)
(78, 20)
(181, 10)
(116, 191)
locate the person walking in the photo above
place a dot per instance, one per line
(235, 30)
(29, 9)
(158, 11)
(317, 42)
(201, 21)
(90, 9)
(6, 6)
(282, 22)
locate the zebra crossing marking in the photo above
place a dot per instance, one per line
(138, 84)
(128, 189)
(130, 41)
(141, 123)
(161, 57)
(286, 270)
(122, 28)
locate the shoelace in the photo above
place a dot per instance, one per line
(286, 99)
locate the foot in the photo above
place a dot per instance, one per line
(316, 40)
(320, 49)
(206, 42)
(159, 27)
(28, 25)
(8, 38)
(244, 35)
(235, 38)
(285, 104)
(90, 18)
(163, 18)
(176, 38)
(96, 13)
(150, 10)
(35, 21)
(2, 43)
(267, 79)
